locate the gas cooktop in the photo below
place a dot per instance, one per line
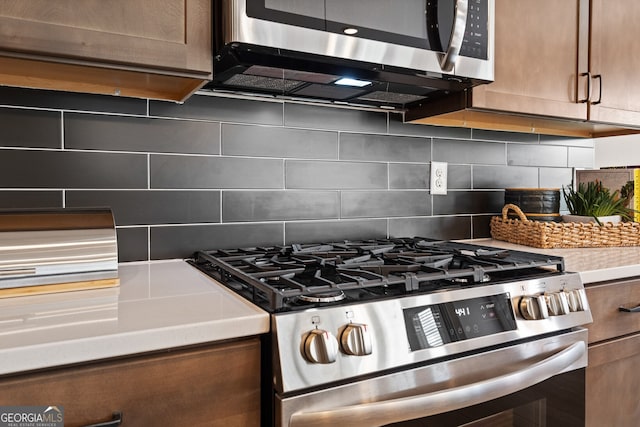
(301, 276)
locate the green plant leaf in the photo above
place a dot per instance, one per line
(593, 199)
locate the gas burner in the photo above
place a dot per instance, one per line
(333, 296)
(284, 278)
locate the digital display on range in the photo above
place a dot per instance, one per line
(439, 324)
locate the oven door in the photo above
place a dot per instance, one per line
(535, 383)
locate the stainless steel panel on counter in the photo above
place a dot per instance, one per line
(39, 247)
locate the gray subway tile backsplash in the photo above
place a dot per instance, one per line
(500, 177)
(223, 172)
(279, 205)
(70, 101)
(536, 155)
(302, 174)
(122, 133)
(459, 176)
(152, 207)
(214, 172)
(363, 204)
(334, 231)
(318, 117)
(182, 241)
(437, 227)
(72, 169)
(469, 152)
(385, 148)
(270, 141)
(220, 109)
(30, 199)
(133, 244)
(557, 178)
(30, 128)
(409, 176)
(481, 227)
(468, 202)
(581, 157)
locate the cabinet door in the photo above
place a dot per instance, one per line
(210, 386)
(150, 33)
(604, 300)
(537, 48)
(612, 383)
(155, 49)
(615, 57)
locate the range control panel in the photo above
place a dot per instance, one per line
(435, 325)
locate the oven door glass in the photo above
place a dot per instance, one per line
(415, 23)
(558, 401)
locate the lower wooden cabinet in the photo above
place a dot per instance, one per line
(613, 377)
(216, 385)
(613, 374)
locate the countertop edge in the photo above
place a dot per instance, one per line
(105, 347)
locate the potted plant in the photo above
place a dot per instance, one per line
(592, 201)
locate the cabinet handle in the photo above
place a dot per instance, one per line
(448, 60)
(116, 420)
(635, 309)
(599, 77)
(588, 75)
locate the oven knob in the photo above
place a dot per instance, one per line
(575, 304)
(577, 300)
(557, 303)
(320, 346)
(356, 339)
(533, 307)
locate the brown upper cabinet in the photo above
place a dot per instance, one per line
(158, 49)
(562, 67)
(615, 61)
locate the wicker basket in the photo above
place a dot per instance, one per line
(546, 235)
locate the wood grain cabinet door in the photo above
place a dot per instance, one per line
(615, 61)
(608, 321)
(538, 46)
(104, 42)
(614, 354)
(612, 383)
(218, 385)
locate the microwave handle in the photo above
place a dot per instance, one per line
(449, 58)
(415, 407)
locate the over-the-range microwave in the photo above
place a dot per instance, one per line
(377, 52)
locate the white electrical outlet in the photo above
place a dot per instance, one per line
(438, 178)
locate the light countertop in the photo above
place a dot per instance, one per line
(593, 264)
(158, 305)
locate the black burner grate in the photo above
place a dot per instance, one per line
(276, 277)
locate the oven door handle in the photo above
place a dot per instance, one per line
(416, 407)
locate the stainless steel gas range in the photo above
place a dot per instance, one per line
(414, 331)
